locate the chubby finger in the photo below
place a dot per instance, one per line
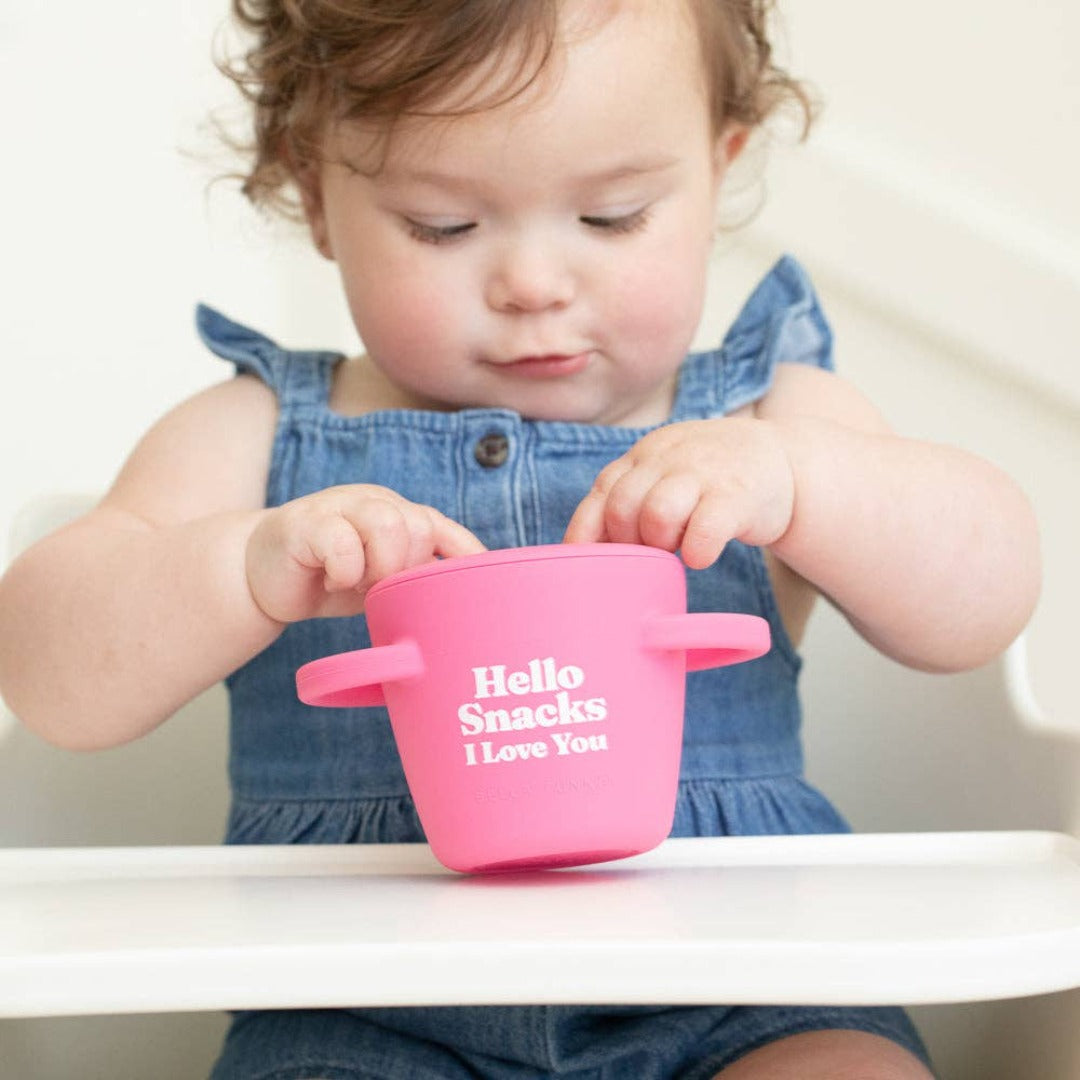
(449, 537)
(383, 528)
(625, 499)
(587, 522)
(666, 508)
(710, 526)
(332, 543)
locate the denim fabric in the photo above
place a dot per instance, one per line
(526, 1043)
(307, 775)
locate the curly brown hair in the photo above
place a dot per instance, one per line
(312, 61)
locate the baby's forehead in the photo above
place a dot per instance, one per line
(579, 135)
(518, 68)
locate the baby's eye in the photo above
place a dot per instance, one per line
(617, 223)
(438, 234)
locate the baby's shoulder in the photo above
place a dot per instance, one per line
(243, 400)
(800, 390)
(209, 454)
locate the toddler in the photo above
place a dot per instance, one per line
(520, 198)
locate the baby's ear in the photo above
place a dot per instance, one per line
(729, 145)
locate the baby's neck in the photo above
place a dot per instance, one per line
(359, 387)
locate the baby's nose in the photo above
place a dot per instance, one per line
(529, 277)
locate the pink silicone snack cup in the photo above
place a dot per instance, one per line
(536, 697)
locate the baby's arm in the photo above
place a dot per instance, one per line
(179, 575)
(931, 552)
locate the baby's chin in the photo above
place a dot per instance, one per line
(575, 399)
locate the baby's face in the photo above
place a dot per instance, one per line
(548, 255)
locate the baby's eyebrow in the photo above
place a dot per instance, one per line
(628, 170)
(394, 175)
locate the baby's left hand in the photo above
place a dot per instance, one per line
(693, 485)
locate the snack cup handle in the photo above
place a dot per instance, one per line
(355, 679)
(709, 639)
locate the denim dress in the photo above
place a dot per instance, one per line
(305, 775)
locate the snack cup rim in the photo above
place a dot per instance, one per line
(509, 556)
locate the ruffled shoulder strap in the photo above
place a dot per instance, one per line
(781, 323)
(296, 377)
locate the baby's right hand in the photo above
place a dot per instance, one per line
(317, 556)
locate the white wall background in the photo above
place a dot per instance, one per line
(112, 234)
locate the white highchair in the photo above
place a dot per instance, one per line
(126, 931)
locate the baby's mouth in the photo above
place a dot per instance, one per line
(548, 366)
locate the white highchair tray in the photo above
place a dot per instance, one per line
(893, 918)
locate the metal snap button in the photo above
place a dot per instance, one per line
(492, 450)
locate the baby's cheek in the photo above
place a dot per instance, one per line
(661, 304)
(406, 324)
